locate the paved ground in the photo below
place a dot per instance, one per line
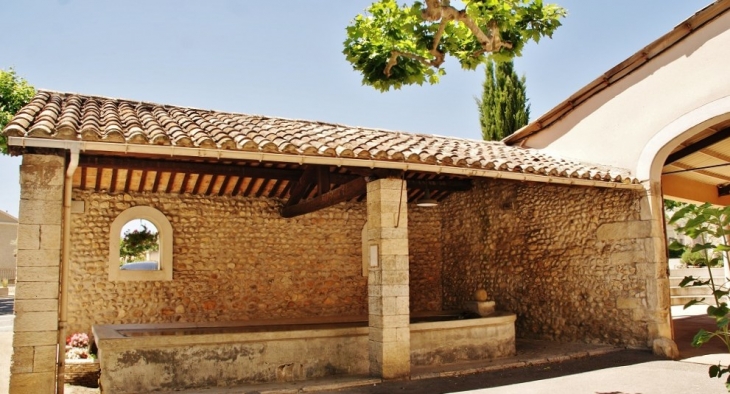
(540, 367)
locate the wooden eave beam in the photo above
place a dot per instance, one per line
(346, 192)
(113, 185)
(698, 146)
(188, 167)
(451, 185)
(302, 186)
(323, 180)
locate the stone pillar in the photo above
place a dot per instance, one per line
(35, 332)
(388, 293)
(660, 319)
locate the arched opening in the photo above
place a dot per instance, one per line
(688, 161)
(140, 246)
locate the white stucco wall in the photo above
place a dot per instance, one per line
(684, 85)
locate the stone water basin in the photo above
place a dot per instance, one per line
(173, 356)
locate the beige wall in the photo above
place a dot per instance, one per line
(571, 262)
(235, 259)
(8, 234)
(615, 126)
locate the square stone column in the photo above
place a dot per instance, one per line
(388, 292)
(35, 331)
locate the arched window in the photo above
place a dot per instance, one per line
(140, 246)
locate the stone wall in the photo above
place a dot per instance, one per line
(236, 258)
(571, 262)
(424, 246)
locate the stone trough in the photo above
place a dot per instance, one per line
(153, 357)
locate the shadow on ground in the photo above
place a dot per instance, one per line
(509, 376)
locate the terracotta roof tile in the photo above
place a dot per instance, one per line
(90, 118)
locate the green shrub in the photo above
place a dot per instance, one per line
(698, 259)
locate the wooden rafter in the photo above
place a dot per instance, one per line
(156, 183)
(224, 185)
(250, 186)
(99, 175)
(451, 185)
(308, 186)
(260, 192)
(275, 188)
(171, 182)
(343, 193)
(128, 182)
(188, 167)
(184, 185)
(113, 186)
(198, 181)
(302, 186)
(237, 187)
(142, 181)
(323, 180)
(698, 146)
(209, 190)
(83, 178)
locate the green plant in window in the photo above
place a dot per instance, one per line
(136, 243)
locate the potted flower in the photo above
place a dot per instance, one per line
(82, 366)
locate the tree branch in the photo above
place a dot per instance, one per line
(491, 42)
(442, 10)
(393, 60)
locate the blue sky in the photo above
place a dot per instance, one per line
(283, 58)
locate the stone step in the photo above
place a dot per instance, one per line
(681, 300)
(675, 280)
(689, 291)
(696, 272)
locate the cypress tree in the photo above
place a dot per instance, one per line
(503, 107)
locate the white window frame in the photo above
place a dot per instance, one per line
(164, 228)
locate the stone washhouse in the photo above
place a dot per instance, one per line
(276, 220)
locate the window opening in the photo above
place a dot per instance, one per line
(139, 246)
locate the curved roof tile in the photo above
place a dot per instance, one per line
(57, 115)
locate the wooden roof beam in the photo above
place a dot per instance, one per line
(346, 192)
(302, 186)
(187, 167)
(698, 146)
(451, 185)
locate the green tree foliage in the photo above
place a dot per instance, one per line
(672, 205)
(394, 45)
(15, 92)
(136, 243)
(503, 107)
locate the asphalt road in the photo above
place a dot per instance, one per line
(6, 315)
